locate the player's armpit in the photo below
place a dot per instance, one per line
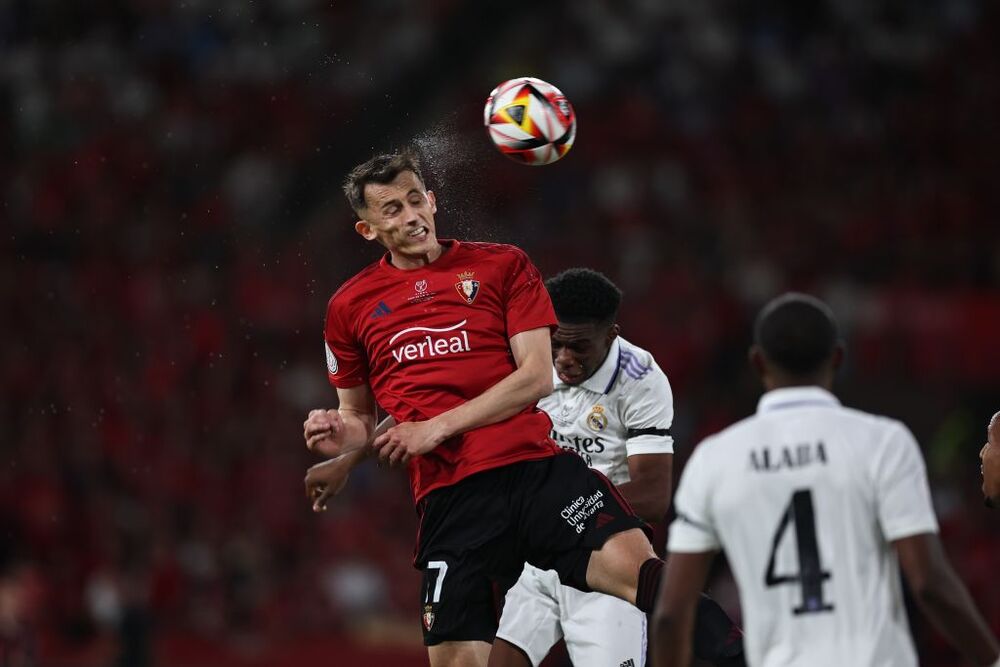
(672, 626)
(942, 596)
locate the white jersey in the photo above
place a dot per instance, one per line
(806, 497)
(624, 408)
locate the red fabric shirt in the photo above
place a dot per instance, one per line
(429, 339)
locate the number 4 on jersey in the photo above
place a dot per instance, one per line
(811, 575)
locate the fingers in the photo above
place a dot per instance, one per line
(313, 485)
(394, 453)
(389, 448)
(321, 425)
(322, 422)
(319, 501)
(397, 456)
(312, 442)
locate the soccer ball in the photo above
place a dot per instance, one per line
(530, 121)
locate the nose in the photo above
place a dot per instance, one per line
(409, 215)
(563, 358)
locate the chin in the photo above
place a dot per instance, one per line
(423, 246)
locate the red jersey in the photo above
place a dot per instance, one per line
(429, 339)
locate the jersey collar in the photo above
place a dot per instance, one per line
(795, 397)
(604, 378)
(449, 246)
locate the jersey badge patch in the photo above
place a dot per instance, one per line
(331, 361)
(421, 292)
(428, 617)
(596, 420)
(467, 288)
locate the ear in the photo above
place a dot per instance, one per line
(757, 361)
(364, 228)
(837, 358)
(613, 333)
(433, 200)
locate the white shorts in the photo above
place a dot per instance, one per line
(599, 629)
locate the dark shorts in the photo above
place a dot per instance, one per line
(551, 513)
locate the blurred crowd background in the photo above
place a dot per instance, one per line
(173, 227)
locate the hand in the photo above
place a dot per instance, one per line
(324, 432)
(409, 439)
(326, 479)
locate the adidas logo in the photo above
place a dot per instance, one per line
(381, 310)
(628, 663)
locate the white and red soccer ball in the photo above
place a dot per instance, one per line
(530, 121)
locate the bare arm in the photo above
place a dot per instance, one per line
(943, 597)
(351, 426)
(531, 381)
(328, 478)
(672, 626)
(649, 488)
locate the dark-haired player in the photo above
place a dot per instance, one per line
(452, 340)
(612, 406)
(990, 457)
(816, 506)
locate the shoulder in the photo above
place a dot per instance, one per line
(341, 299)
(876, 428)
(491, 248)
(735, 432)
(637, 366)
(498, 251)
(636, 357)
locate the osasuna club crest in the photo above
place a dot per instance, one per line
(467, 287)
(428, 617)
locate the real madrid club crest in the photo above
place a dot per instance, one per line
(596, 420)
(428, 617)
(467, 287)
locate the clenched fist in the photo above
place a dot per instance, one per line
(324, 432)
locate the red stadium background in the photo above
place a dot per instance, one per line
(173, 226)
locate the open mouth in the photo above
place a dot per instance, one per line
(418, 234)
(568, 378)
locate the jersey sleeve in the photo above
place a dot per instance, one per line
(694, 529)
(901, 488)
(647, 415)
(527, 303)
(346, 363)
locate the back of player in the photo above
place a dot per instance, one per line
(816, 505)
(807, 497)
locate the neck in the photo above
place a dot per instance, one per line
(776, 381)
(408, 262)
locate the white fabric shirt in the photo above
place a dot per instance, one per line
(806, 497)
(624, 408)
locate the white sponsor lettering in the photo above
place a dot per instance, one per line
(431, 346)
(406, 331)
(577, 512)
